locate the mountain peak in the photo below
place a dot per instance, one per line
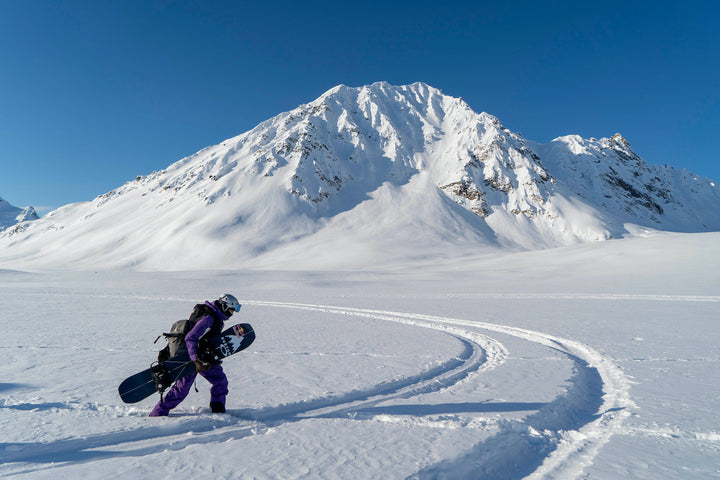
(617, 138)
(11, 215)
(371, 173)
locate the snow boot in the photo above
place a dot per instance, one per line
(217, 407)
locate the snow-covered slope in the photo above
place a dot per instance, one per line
(374, 174)
(10, 215)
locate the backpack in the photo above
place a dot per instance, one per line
(178, 330)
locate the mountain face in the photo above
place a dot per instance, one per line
(11, 215)
(615, 180)
(379, 174)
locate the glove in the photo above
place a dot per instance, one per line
(201, 367)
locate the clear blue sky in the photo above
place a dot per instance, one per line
(94, 93)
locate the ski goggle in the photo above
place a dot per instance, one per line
(236, 307)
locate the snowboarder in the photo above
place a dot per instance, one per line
(208, 325)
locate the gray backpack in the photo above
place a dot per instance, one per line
(176, 336)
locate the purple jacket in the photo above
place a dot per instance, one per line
(202, 326)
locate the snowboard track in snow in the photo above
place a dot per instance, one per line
(561, 439)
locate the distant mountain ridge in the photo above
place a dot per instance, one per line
(11, 215)
(372, 174)
(608, 173)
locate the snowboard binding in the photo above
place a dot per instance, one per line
(161, 377)
(206, 353)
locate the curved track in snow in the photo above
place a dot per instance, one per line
(480, 353)
(557, 441)
(560, 440)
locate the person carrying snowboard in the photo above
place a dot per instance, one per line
(210, 318)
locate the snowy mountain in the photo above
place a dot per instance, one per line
(10, 215)
(613, 178)
(374, 174)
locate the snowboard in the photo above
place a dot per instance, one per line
(141, 385)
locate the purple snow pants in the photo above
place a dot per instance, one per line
(180, 390)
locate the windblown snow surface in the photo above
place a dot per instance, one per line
(595, 361)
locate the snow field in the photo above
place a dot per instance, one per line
(510, 367)
(332, 388)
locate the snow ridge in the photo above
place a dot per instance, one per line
(610, 175)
